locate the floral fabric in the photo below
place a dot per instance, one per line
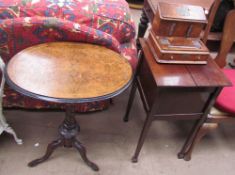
(19, 33)
(110, 16)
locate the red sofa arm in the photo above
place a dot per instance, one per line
(19, 33)
(110, 16)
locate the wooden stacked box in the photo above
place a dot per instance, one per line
(175, 34)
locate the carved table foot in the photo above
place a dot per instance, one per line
(82, 151)
(50, 149)
(68, 131)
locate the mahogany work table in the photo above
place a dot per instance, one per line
(66, 72)
(175, 92)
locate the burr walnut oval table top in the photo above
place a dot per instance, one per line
(69, 72)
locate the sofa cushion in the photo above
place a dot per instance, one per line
(110, 16)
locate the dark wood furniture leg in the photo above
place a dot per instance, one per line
(143, 25)
(187, 148)
(205, 129)
(130, 101)
(68, 132)
(143, 135)
(50, 149)
(133, 88)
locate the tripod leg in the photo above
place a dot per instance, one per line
(82, 151)
(50, 149)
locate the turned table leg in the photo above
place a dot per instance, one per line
(68, 132)
(143, 25)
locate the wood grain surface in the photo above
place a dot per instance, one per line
(69, 70)
(184, 12)
(205, 4)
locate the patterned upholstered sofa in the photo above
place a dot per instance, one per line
(24, 23)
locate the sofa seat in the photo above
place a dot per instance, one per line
(26, 23)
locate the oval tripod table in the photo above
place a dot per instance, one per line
(70, 73)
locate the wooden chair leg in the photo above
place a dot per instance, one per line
(206, 128)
